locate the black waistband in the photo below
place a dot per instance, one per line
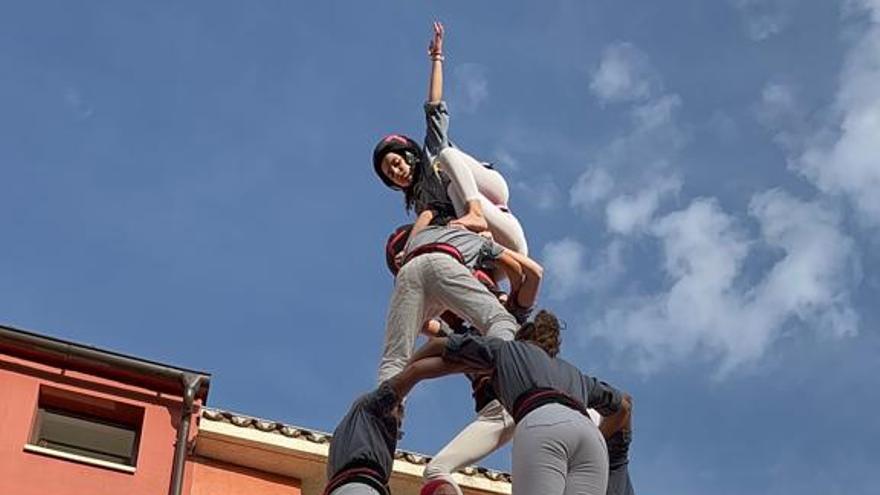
(537, 397)
(365, 475)
(435, 247)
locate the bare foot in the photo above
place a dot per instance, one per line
(472, 222)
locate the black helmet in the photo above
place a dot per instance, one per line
(395, 244)
(398, 143)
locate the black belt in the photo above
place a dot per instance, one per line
(364, 475)
(537, 397)
(436, 247)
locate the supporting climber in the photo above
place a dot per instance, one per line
(494, 427)
(362, 448)
(436, 277)
(557, 449)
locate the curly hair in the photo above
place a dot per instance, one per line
(544, 331)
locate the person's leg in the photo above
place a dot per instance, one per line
(473, 178)
(492, 428)
(619, 482)
(405, 319)
(451, 284)
(355, 489)
(505, 228)
(588, 458)
(476, 192)
(540, 460)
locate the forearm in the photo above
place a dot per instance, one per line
(435, 85)
(435, 52)
(620, 420)
(533, 273)
(423, 220)
(513, 269)
(422, 369)
(433, 348)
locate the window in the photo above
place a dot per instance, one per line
(85, 436)
(86, 429)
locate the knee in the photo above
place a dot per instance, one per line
(436, 468)
(503, 327)
(449, 155)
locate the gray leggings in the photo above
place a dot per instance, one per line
(558, 451)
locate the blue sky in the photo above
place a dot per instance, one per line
(191, 183)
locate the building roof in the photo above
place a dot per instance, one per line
(323, 438)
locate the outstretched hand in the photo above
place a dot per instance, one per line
(435, 48)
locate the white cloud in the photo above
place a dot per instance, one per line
(472, 84)
(764, 18)
(624, 74)
(709, 310)
(567, 271)
(592, 187)
(539, 192)
(778, 102)
(631, 175)
(726, 295)
(629, 213)
(780, 111)
(505, 160)
(564, 267)
(844, 159)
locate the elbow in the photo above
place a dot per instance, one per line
(538, 271)
(449, 157)
(626, 404)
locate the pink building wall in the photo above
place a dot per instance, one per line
(218, 478)
(28, 473)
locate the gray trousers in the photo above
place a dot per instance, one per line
(558, 451)
(355, 489)
(425, 287)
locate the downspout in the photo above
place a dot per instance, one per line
(191, 384)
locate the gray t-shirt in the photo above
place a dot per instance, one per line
(476, 250)
(522, 366)
(436, 129)
(367, 435)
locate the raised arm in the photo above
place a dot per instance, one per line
(435, 51)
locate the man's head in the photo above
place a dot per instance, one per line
(395, 245)
(542, 331)
(441, 485)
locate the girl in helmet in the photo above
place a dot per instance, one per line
(439, 181)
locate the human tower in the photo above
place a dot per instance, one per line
(464, 278)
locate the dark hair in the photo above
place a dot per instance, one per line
(395, 244)
(414, 156)
(543, 331)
